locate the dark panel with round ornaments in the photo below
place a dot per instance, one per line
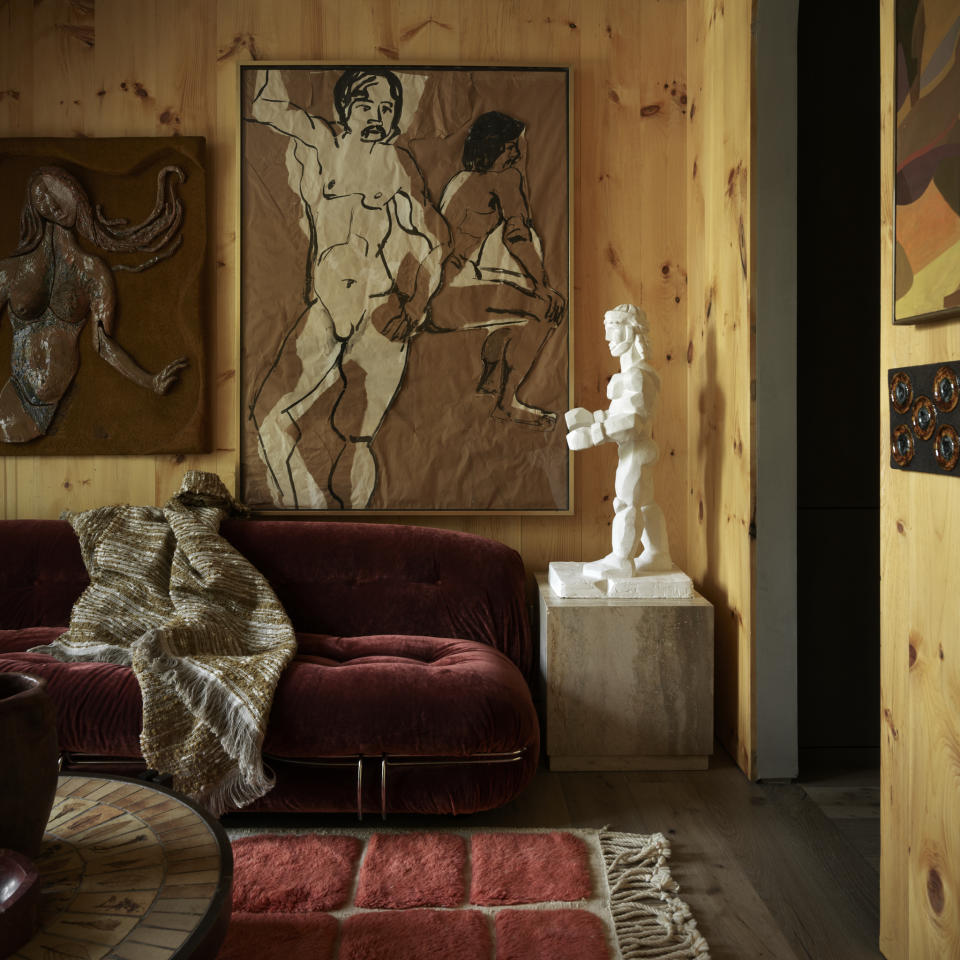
(925, 418)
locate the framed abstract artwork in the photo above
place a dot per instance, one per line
(927, 164)
(102, 285)
(404, 288)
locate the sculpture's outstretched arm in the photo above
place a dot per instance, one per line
(103, 302)
(586, 429)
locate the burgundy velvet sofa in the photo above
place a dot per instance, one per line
(410, 692)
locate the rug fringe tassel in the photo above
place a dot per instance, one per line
(652, 923)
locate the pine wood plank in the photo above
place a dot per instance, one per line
(656, 106)
(609, 184)
(17, 54)
(238, 33)
(421, 31)
(933, 686)
(722, 419)
(895, 795)
(920, 678)
(185, 98)
(16, 119)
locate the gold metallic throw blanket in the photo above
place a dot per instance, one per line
(202, 629)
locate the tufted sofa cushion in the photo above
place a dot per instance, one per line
(341, 696)
(400, 695)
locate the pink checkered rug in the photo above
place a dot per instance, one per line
(470, 895)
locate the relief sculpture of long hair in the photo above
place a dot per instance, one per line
(158, 233)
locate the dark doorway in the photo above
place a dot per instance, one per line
(838, 356)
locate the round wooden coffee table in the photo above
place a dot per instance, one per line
(130, 870)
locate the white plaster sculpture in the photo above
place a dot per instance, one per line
(638, 519)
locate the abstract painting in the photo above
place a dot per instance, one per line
(405, 288)
(927, 183)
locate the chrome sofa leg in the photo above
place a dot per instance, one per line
(360, 787)
(383, 787)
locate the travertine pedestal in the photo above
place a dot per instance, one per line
(627, 684)
(568, 580)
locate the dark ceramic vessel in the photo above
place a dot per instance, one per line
(28, 761)
(19, 901)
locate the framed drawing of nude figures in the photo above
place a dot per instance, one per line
(102, 245)
(404, 288)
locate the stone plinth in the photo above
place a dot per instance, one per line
(626, 684)
(567, 580)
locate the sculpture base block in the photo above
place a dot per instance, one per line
(626, 684)
(567, 580)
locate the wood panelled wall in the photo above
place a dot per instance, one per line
(162, 67)
(166, 67)
(721, 424)
(920, 643)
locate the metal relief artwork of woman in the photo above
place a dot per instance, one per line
(414, 362)
(63, 278)
(50, 286)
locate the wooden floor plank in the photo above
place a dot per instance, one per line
(821, 892)
(729, 912)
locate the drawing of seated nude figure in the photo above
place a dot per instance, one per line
(495, 277)
(360, 192)
(51, 286)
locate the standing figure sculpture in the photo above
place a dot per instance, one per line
(52, 285)
(495, 276)
(633, 395)
(359, 191)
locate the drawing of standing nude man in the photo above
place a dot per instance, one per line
(360, 193)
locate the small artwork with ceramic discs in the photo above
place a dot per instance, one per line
(102, 245)
(925, 418)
